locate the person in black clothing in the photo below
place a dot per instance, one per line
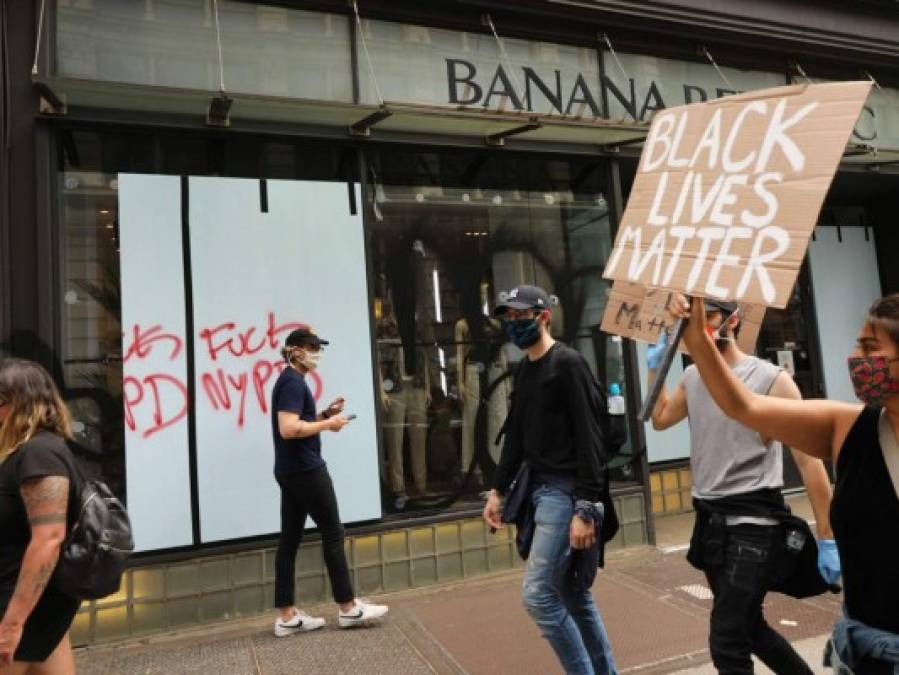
(554, 430)
(37, 504)
(307, 490)
(861, 440)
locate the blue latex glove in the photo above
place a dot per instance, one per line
(829, 561)
(656, 352)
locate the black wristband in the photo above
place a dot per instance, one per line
(585, 510)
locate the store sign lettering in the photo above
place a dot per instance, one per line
(577, 94)
(565, 93)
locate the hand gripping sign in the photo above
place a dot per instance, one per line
(726, 197)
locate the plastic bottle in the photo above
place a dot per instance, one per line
(616, 400)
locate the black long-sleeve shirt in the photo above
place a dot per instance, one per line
(553, 425)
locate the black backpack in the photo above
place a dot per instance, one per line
(96, 550)
(612, 427)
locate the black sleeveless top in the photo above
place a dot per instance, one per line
(864, 515)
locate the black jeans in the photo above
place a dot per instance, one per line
(310, 493)
(738, 626)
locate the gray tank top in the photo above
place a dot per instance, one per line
(726, 457)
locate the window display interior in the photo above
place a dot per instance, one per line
(450, 231)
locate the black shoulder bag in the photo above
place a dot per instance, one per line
(517, 506)
(95, 552)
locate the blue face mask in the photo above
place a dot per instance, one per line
(523, 332)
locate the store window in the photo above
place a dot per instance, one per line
(450, 231)
(445, 232)
(90, 354)
(92, 339)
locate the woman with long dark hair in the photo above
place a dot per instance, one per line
(37, 502)
(862, 442)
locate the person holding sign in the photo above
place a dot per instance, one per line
(307, 490)
(863, 443)
(737, 478)
(552, 430)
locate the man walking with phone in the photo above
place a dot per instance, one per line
(307, 490)
(552, 427)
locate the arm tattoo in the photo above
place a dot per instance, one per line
(46, 500)
(44, 496)
(47, 519)
(40, 578)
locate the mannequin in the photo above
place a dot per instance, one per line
(404, 398)
(480, 360)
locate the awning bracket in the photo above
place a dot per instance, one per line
(363, 126)
(50, 103)
(218, 113)
(616, 146)
(499, 139)
(858, 150)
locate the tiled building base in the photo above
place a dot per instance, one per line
(671, 490)
(165, 597)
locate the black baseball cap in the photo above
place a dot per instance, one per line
(523, 297)
(303, 336)
(720, 305)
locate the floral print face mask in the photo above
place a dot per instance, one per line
(872, 380)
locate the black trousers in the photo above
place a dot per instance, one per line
(738, 626)
(310, 493)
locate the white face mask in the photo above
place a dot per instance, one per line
(309, 360)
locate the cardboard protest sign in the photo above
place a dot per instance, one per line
(728, 192)
(641, 313)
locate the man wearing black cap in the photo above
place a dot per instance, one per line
(307, 490)
(553, 428)
(737, 478)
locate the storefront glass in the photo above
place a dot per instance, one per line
(266, 50)
(446, 232)
(450, 231)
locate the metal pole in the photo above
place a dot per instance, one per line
(677, 333)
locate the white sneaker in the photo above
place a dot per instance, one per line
(300, 623)
(362, 613)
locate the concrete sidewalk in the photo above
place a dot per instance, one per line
(811, 649)
(654, 604)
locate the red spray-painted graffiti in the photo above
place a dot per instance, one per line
(172, 388)
(243, 375)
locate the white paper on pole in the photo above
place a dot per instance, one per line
(255, 275)
(155, 361)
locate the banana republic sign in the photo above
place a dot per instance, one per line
(570, 92)
(566, 94)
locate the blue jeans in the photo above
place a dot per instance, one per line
(567, 618)
(863, 650)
